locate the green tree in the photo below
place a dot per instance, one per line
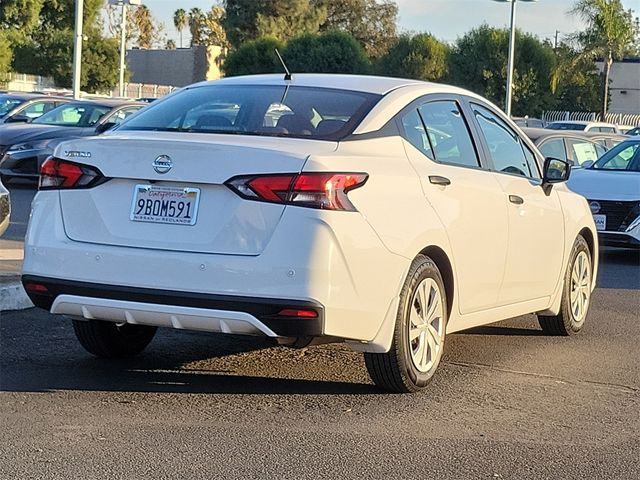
(251, 19)
(372, 23)
(6, 53)
(254, 56)
(611, 32)
(479, 62)
(48, 49)
(180, 21)
(329, 52)
(18, 18)
(197, 25)
(576, 82)
(419, 56)
(240, 19)
(144, 27)
(288, 18)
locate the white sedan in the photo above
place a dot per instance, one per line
(612, 188)
(310, 210)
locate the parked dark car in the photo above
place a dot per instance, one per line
(26, 107)
(633, 132)
(528, 122)
(23, 148)
(5, 208)
(570, 146)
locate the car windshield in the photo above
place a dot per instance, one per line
(74, 115)
(625, 156)
(8, 103)
(303, 112)
(565, 126)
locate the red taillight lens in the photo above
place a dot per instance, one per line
(58, 174)
(36, 288)
(314, 190)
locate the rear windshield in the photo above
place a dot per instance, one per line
(303, 112)
(565, 126)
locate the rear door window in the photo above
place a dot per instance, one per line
(447, 133)
(581, 150)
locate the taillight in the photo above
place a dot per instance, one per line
(327, 191)
(59, 174)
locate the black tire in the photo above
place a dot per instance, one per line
(396, 371)
(111, 340)
(565, 322)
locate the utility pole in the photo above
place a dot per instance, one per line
(123, 47)
(123, 37)
(555, 44)
(77, 49)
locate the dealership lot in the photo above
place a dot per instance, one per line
(507, 402)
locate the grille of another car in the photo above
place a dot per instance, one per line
(619, 214)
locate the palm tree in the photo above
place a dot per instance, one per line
(196, 22)
(180, 21)
(611, 32)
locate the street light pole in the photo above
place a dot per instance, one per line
(123, 46)
(123, 36)
(512, 47)
(77, 49)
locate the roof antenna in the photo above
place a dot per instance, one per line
(287, 75)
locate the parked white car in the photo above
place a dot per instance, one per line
(341, 220)
(612, 188)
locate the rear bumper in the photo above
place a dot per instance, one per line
(164, 308)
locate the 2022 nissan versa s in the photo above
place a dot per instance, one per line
(381, 212)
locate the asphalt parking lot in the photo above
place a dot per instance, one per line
(508, 402)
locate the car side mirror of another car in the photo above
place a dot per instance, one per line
(18, 119)
(104, 127)
(587, 163)
(555, 171)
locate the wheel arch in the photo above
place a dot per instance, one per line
(443, 263)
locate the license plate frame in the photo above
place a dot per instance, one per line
(600, 221)
(162, 197)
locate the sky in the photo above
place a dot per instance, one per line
(446, 19)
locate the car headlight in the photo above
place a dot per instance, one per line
(20, 147)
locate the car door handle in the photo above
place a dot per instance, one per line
(438, 180)
(516, 199)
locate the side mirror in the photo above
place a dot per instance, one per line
(104, 127)
(555, 171)
(587, 163)
(18, 119)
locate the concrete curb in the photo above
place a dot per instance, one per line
(12, 295)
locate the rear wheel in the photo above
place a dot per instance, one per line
(576, 294)
(112, 340)
(419, 335)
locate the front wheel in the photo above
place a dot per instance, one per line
(576, 294)
(419, 335)
(113, 340)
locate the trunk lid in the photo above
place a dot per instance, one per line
(225, 223)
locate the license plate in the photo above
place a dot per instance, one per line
(601, 222)
(174, 205)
